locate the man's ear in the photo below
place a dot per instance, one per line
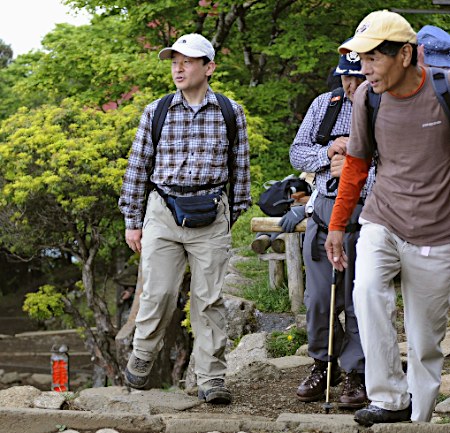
(211, 68)
(406, 53)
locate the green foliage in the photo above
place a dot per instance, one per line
(44, 304)
(61, 170)
(186, 322)
(6, 54)
(266, 299)
(285, 343)
(441, 397)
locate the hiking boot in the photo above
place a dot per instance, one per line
(214, 391)
(137, 372)
(354, 392)
(312, 388)
(374, 414)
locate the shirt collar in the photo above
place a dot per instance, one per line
(210, 98)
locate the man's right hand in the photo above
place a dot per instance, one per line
(339, 146)
(337, 162)
(133, 239)
(334, 247)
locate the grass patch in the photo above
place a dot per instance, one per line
(285, 343)
(266, 299)
(441, 397)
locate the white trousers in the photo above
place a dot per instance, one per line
(166, 249)
(425, 286)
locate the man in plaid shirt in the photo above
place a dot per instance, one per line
(326, 161)
(190, 160)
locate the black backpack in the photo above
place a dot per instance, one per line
(229, 116)
(276, 200)
(323, 135)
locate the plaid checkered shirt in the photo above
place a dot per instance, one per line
(192, 151)
(307, 155)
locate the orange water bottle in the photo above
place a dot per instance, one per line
(59, 362)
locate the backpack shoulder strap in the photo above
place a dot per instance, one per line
(441, 86)
(230, 121)
(373, 104)
(334, 107)
(159, 117)
(229, 116)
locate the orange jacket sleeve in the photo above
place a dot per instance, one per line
(353, 177)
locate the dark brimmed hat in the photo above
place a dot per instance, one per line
(349, 64)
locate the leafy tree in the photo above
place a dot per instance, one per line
(61, 170)
(274, 54)
(6, 54)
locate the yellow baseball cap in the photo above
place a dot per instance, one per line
(377, 27)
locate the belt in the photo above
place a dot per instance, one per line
(192, 188)
(333, 197)
(350, 228)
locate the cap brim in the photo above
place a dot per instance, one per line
(359, 45)
(166, 53)
(439, 60)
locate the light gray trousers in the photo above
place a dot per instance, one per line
(166, 249)
(425, 285)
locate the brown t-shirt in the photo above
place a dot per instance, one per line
(411, 195)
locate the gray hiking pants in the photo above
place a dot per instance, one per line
(346, 344)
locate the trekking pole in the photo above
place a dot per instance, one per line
(327, 405)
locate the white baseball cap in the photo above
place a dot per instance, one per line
(191, 45)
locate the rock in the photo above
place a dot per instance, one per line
(445, 345)
(443, 407)
(106, 430)
(232, 283)
(302, 350)
(251, 348)
(10, 378)
(115, 399)
(240, 314)
(41, 381)
(287, 362)
(445, 384)
(255, 371)
(24, 377)
(18, 397)
(49, 400)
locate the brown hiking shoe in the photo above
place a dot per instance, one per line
(353, 393)
(312, 388)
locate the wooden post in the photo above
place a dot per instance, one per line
(276, 273)
(279, 243)
(292, 256)
(276, 268)
(294, 265)
(260, 244)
